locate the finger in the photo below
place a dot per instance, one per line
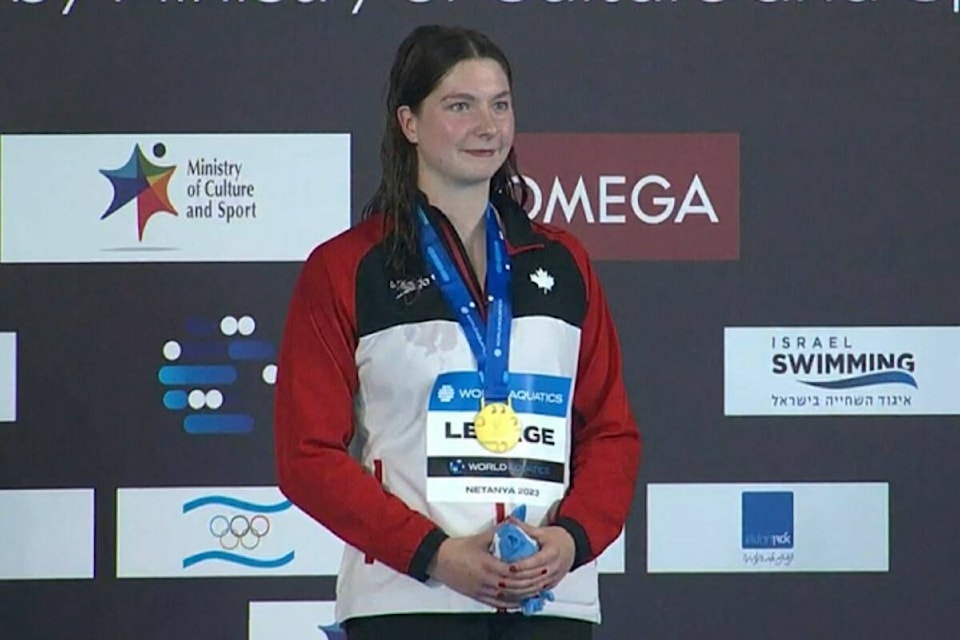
(499, 603)
(536, 573)
(521, 595)
(540, 534)
(487, 593)
(493, 587)
(527, 528)
(501, 597)
(530, 584)
(495, 569)
(513, 592)
(485, 537)
(553, 579)
(528, 567)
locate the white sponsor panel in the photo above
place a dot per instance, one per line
(219, 531)
(47, 534)
(171, 197)
(613, 559)
(293, 621)
(233, 531)
(707, 528)
(841, 371)
(8, 377)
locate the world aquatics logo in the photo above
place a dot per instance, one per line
(237, 533)
(144, 181)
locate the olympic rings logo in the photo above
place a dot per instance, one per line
(239, 531)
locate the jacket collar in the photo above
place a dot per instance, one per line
(518, 231)
(517, 228)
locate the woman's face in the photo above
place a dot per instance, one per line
(464, 129)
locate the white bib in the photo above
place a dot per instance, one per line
(459, 469)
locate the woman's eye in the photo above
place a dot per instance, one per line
(502, 105)
(459, 106)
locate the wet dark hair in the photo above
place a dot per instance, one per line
(422, 60)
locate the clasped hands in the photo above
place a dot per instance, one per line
(466, 565)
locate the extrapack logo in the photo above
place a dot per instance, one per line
(294, 621)
(638, 196)
(8, 377)
(767, 519)
(171, 197)
(207, 367)
(828, 526)
(842, 370)
(219, 531)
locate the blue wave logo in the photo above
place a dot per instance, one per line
(871, 379)
(253, 563)
(235, 503)
(237, 534)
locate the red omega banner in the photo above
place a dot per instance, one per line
(638, 196)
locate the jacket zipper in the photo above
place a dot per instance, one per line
(458, 253)
(466, 272)
(378, 474)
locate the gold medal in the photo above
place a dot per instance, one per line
(497, 427)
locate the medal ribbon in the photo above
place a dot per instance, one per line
(489, 342)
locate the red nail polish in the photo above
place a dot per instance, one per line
(513, 569)
(502, 585)
(544, 572)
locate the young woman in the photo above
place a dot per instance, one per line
(447, 360)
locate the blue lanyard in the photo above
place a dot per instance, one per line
(491, 343)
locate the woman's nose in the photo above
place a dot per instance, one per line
(486, 122)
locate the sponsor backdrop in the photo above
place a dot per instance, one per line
(765, 187)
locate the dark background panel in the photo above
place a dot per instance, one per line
(849, 146)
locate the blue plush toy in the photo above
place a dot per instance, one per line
(510, 544)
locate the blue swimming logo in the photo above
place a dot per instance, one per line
(847, 370)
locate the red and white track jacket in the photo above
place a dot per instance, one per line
(359, 357)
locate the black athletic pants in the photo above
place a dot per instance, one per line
(467, 626)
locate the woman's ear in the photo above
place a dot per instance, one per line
(407, 120)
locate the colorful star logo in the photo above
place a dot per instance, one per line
(141, 179)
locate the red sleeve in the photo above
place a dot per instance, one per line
(606, 441)
(314, 420)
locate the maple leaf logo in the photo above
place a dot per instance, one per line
(543, 280)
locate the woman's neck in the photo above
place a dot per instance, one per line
(465, 210)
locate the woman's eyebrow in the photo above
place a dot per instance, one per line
(469, 96)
